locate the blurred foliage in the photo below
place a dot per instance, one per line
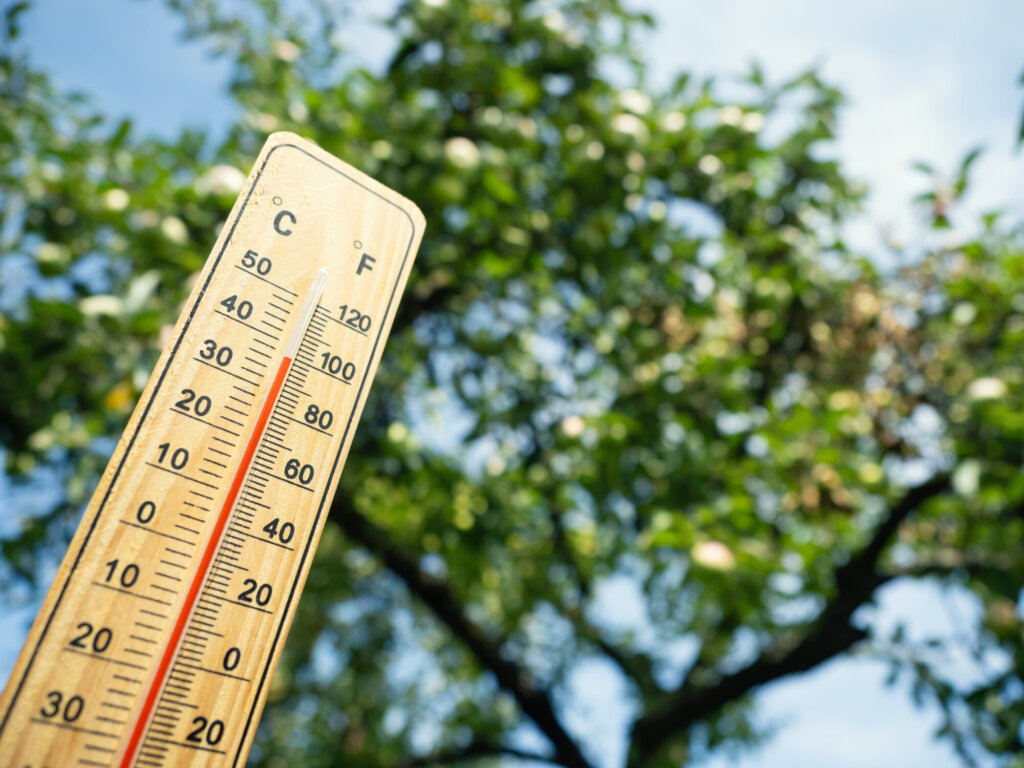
(637, 363)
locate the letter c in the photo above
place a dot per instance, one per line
(277, 222)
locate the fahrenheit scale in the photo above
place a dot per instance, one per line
(156, 644)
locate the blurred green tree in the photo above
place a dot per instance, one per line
(635, 350)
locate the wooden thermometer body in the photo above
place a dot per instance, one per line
(157, 642)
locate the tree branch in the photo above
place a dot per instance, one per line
(561, 538)
(634, 665)
(859, 577)
(439, 597)
(829, 636)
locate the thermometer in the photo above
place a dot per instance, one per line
(157, 642)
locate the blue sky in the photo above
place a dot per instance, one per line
(926, 79)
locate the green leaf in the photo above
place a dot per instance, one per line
(960, 183)
(12, 20)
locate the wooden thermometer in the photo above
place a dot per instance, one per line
(157, 642)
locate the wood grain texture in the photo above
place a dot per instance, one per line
(91, 659)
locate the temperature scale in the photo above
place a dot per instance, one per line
(156, 644)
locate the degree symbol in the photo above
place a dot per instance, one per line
(277, 200)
